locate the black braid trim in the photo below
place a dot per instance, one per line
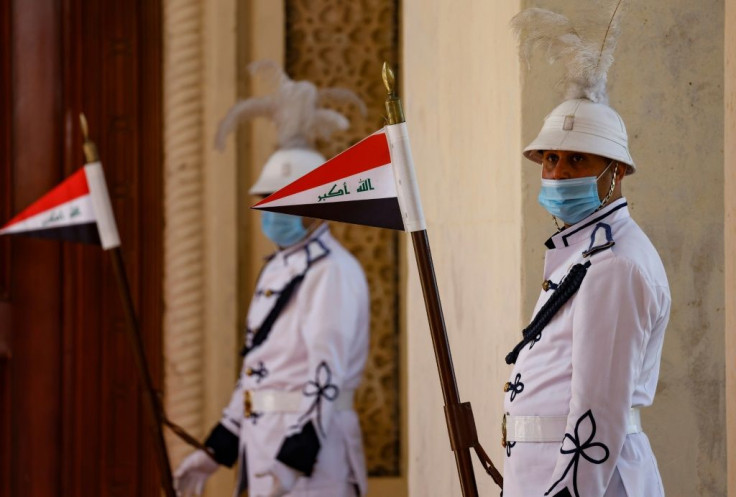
(224, 445)
(563, 493)
(299, 451)
(567, 288)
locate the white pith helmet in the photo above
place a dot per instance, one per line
(285, 166)
(583, 122)
(580, 125)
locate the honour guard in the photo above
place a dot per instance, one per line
(290, 426)
(589, 361)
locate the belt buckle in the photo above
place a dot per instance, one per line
(503, 431)
(247, 404)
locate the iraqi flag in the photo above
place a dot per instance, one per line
(76, 210)
(372, 183)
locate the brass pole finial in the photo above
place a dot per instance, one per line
(83, 123)
(90, 149)
(389, 80)
(393, 104)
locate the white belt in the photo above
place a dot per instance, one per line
(260, 401)
(551, 428)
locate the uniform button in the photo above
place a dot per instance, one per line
(249, 372)
(545, 285)
(507, 386)
(268, 293)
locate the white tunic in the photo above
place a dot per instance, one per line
(318, 347)
(597, 358)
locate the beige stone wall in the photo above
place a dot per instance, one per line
(730, 235)
(461, 96)
(668, 85)
(200, 285)
(260, 36)
(203, 77)
(220, 215)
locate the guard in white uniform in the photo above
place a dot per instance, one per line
(290, 426)
(291, 412)
(589, 360)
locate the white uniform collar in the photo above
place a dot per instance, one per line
(580, 231)
(313, 247)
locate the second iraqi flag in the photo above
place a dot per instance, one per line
(371, 183)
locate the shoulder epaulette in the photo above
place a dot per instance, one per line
(600, 239)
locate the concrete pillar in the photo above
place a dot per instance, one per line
(462, 103)
(729, 171)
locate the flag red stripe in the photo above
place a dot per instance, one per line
(72, 187)
(369, 153)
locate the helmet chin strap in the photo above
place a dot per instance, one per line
(610, 190)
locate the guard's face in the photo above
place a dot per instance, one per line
(561, 164)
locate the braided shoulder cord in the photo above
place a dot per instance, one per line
(283, 299)
(567, 288)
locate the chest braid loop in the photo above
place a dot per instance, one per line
(567, 288)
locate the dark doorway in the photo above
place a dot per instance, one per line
(71, 416)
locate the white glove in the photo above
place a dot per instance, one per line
(284, 479)
(192, 473)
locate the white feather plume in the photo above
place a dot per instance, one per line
(326, 121)
(243, 110)
(587, 58)
(295, 107)
(342, 95)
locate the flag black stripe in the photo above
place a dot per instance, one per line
(83, 233)
(379, 212)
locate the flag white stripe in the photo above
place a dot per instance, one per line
(377, 183)
(406, 181)
(76, 211)
(102, 207)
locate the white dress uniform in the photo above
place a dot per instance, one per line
(293, 400)
(597, 359)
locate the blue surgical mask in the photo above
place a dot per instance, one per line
(282, 229)
(571, 200)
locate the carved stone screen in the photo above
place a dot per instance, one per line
(338, 43)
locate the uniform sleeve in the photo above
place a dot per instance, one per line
(224, 437)
(333, 301)
(615, 309)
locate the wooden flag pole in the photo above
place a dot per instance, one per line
(443, 356)
(459, 416)
(151, 400)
